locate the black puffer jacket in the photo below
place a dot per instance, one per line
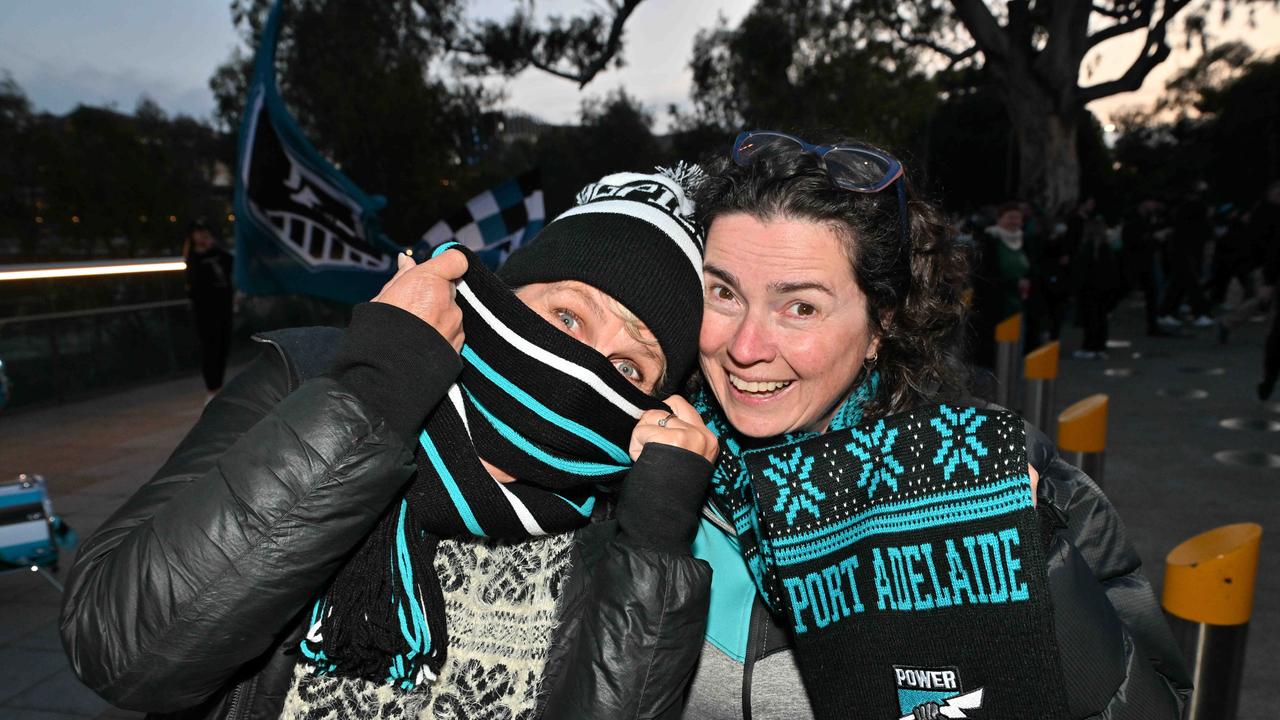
(187, 600)
(1119, 660)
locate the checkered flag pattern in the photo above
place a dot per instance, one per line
(495, 222)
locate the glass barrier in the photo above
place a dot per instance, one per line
(67, 338)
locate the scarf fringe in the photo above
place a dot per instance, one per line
(378, 614)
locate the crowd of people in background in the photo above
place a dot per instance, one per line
(1196, 265)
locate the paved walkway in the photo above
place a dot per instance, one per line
(93, 454)
(1160, 468)
(1160, 473)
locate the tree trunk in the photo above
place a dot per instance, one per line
(1048, 163)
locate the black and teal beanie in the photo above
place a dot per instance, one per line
(632, 236)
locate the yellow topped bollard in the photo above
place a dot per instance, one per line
(1082, 434)
(1010, 330)
(1008, 337)
(1209, 583)
(1042, 363)
(1210, 578)
(1040, 368)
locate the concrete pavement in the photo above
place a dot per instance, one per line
(1160, 468)
(94, 454)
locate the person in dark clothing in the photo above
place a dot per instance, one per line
(985, 307)
(1097, 283)
(1265, 226)
(1035, 235)
(210, 289)
(4, 387)
(1260, 229)
(1232, 257)
(1059, 252)
(1087, 210)
(1191, 230)
(1141, 240)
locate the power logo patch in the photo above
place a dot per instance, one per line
(932, 693)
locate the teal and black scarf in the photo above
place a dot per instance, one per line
(531, 400)
(905, 555)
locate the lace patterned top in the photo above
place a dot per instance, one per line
(500, 602)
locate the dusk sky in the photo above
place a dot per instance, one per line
(110, 53)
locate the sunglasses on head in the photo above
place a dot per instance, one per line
(852, 167)
(856, 168)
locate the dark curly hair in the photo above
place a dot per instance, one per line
(915, 290)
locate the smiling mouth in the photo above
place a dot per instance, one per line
(758, 388)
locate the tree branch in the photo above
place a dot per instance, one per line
(577, 77)
(982, 25)
(953, 56)
(1124, 25)
(1108, 12)
(563, 53)
(1056, 66)
(961, 57)
(611, 47)
(1131, 80)
(1116, 30)
(1154, 52)
(465, 47)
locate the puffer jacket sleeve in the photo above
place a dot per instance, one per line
(1119, 657)
(629, 639)
(206, 565)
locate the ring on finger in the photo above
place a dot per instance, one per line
(663, 422)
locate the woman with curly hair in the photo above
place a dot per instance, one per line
(879, 545)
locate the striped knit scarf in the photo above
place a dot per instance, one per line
(531, 400)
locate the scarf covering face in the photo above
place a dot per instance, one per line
(906, 557)
(533, 401)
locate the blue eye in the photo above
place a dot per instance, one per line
(628, 370)
(569, 320)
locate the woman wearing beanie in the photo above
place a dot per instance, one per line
(875, 550)
(381, 522)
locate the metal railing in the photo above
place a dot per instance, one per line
(68, 329)
(75, 327)
(57, 355)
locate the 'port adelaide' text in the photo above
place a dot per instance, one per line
(975, 569)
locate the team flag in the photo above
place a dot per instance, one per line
(301, 225)
(493, 223)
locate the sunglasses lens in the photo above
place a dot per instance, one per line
(859, 169)
(756, 145)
